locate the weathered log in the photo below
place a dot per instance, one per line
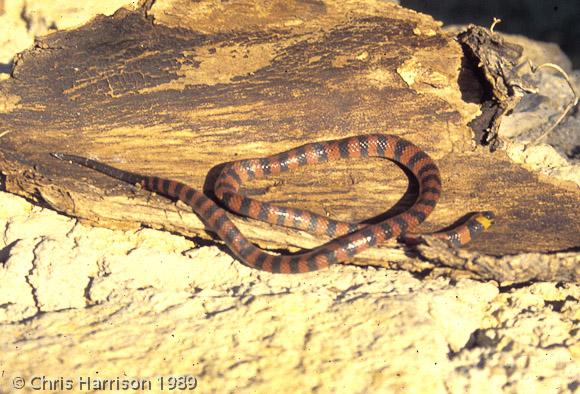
(178, 90)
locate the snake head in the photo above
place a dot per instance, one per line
(486, 219)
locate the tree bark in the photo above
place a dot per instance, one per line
(178, 89)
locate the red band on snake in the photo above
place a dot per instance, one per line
(348, 239)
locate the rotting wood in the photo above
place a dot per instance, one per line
(179, 96)
(495, 62)
(506, 270)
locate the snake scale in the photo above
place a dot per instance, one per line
(347, 239)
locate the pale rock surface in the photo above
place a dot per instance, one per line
(23, 20)
(557, 155)
(545, 159)
(80, 301)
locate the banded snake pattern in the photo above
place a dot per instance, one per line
(348, 239)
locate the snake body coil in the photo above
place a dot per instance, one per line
(349, 239)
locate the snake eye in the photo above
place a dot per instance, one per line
(489, 215)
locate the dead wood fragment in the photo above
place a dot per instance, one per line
(497, 62)
(506, 270)
(178, 98)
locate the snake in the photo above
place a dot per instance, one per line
(347, 239)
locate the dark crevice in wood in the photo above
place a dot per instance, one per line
(476, 88)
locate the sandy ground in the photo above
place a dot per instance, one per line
(82, 308)
(78, 302)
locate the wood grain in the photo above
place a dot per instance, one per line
(178, 93)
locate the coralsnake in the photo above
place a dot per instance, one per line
(347, 239)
